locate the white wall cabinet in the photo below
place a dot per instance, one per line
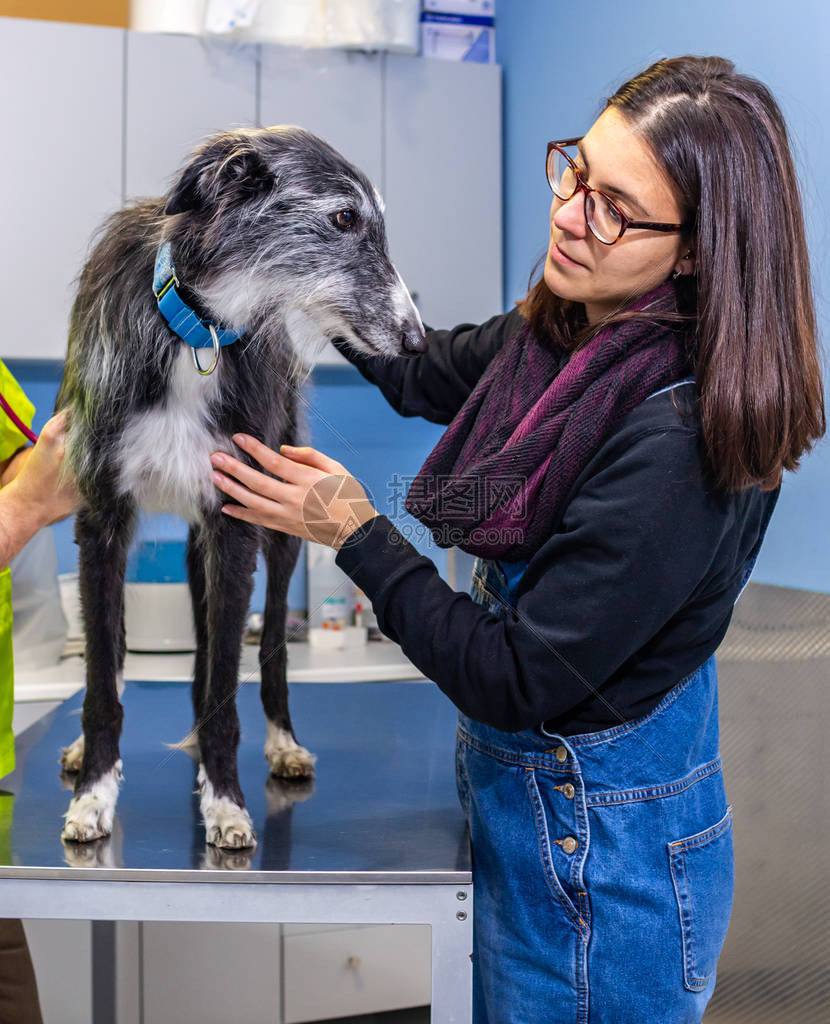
(336, 95)
(61, 109)
(100, 115)
(442, 136)
(178, 90)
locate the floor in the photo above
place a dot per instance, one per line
(774, 670)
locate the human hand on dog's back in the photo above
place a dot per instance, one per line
(315, 498)
(37, 489)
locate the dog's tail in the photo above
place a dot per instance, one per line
(189, 743)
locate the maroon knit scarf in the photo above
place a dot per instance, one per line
(496, 483)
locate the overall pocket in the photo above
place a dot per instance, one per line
(702, 869)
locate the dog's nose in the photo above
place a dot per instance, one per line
(413, 343)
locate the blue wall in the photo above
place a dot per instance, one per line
(561, 60)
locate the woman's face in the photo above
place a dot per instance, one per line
(579, 267)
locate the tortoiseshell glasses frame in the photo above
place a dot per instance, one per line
(612, 218)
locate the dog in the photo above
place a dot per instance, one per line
(272, 238)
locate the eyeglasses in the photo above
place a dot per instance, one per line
(606, 220)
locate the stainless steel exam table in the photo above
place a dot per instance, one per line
(380, 839)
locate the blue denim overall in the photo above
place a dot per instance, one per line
(602, 862)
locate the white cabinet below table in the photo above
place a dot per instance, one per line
(347, 971)
(272, 974)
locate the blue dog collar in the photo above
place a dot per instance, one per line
(182, 320)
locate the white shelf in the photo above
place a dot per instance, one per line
(375, 662)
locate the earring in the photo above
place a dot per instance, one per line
(677, 273)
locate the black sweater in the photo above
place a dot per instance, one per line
(632, 592)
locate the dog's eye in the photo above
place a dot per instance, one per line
(345, 219)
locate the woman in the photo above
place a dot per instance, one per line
(614, 454)
(32, 495)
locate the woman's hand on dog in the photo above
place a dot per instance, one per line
(315, 497)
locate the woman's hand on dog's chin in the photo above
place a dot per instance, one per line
(314, 498)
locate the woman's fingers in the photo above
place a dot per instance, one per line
(311, 457)
(247, 515)
(275, 463)
(315, 497)
(247, 475)
(289, 463)
(250, 498)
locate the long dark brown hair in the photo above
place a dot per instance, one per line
(722, 140)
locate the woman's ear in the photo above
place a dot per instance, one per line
(686, 265)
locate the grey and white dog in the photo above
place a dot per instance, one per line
(278, 238)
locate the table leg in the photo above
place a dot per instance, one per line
(452, 971)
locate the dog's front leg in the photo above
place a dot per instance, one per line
(103, 541)
(228, 550)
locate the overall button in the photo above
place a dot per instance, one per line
(568, 844)
(568, 790)
(561, 754)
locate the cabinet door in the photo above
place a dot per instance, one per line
(443, 185)
(61, 172)
(61, 954)
(335, 94)
(338, 96)
(348, 971)
(211, 973)
(180, 89)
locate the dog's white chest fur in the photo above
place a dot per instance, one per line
(164, 454)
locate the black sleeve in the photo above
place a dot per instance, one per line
(436, 384)
(635, 541)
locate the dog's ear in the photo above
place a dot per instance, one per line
(228, 169)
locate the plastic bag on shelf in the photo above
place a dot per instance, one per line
(40, 627)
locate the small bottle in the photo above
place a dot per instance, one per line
(329, 589)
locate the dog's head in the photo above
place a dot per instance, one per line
(275, 224)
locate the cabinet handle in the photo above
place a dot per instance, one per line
(353, 961)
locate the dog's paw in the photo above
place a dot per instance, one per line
(72, 755)
(227, 825)
(91, 813)
(285, 757)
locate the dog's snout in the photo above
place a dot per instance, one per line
(413, 342)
